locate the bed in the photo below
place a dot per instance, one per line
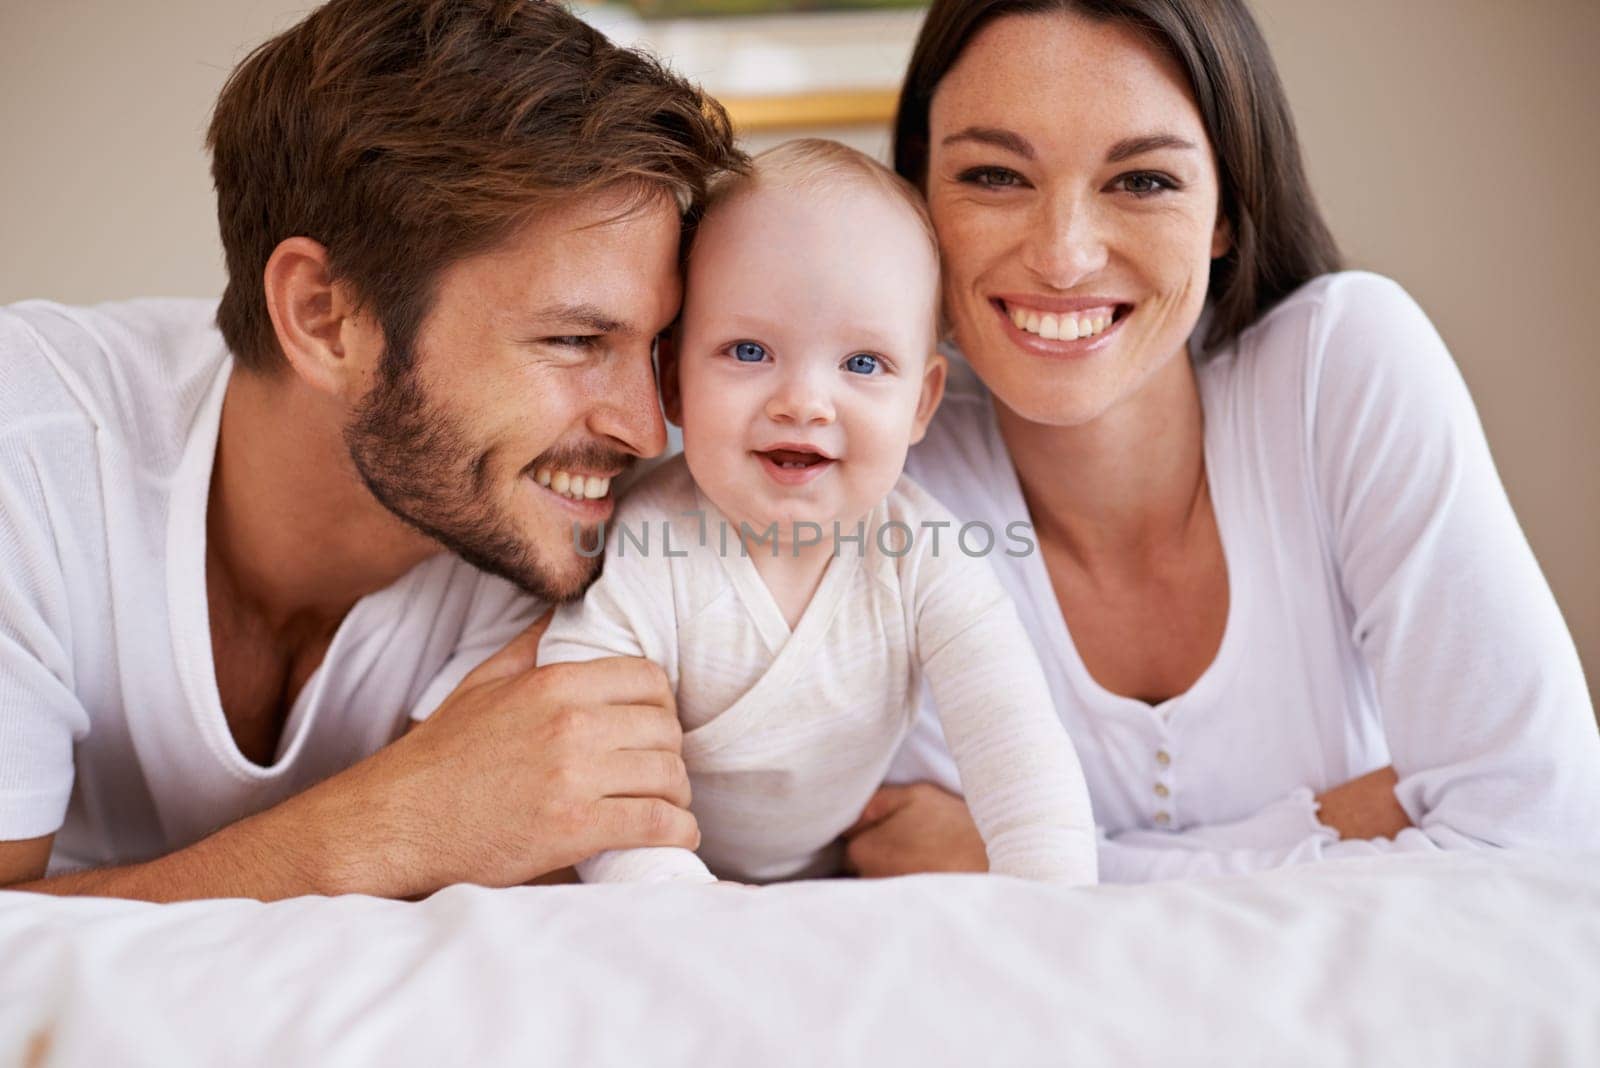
(1449, 959)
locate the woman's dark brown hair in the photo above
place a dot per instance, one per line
(1280, 241)
(404, 135)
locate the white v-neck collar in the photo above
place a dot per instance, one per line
(761, 606)
(189, 608)
(1223, 665)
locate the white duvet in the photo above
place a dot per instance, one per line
(1460, 959)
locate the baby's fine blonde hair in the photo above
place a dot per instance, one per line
(815, 162)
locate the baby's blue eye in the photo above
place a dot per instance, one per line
(749, 352)
(862, 363)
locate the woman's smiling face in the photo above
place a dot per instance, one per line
(1076, 198)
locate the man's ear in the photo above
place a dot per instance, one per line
(933, 377)
(325, 339)
(667, 377)
(1221, 237)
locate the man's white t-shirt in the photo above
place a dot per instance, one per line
(1384, 608)
(112, 734)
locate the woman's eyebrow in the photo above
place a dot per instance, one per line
(1129, 147)
(1015, 143)
(990, 135)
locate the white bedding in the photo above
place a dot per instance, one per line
(1457, 959)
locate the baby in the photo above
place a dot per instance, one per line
(795, 586)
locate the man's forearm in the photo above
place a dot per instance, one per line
(520, 772)
(315, 843)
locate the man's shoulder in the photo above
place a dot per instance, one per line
(134, 369)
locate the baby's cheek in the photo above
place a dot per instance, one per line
(881, 469)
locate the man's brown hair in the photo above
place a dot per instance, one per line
(404, 135)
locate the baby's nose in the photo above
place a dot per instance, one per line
(801, 401)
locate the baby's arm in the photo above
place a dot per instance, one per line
(625, 613)
(1018, 769)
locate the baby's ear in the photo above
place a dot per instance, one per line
(932, 393)
(667, 377)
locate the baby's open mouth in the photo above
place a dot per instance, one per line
(795, 459)
(794, 464)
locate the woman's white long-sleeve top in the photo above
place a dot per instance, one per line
(1384, 607)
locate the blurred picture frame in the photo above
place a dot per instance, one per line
(701, 8)
(779, 66)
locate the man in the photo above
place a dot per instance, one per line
(240, 545)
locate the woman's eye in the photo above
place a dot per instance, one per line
(572, 341)
(862, 363)
(749, 352)
(1144, 183)
(990, 177)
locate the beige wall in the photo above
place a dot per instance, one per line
(1452, 142)
(1454, 145)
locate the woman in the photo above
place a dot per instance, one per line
(1285, 606)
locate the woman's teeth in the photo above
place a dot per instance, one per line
(1068, 326)
(577, 487)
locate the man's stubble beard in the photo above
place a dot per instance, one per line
(419, 463)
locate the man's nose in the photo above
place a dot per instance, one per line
(801, 399)
(629, 407)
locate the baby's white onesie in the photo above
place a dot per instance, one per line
(787, 734)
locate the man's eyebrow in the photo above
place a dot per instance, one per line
(587, 316)
(993, 136)
(1138, 146)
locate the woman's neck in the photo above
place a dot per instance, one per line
(1124, 484)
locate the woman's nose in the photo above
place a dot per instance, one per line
(1066, 244)
(800, 399)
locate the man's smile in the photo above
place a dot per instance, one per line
(573, 484)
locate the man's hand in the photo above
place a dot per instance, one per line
(1364, 807)
(526, 769)
(909, 829)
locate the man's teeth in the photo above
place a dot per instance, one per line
(1067, 326)
(578, 487)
